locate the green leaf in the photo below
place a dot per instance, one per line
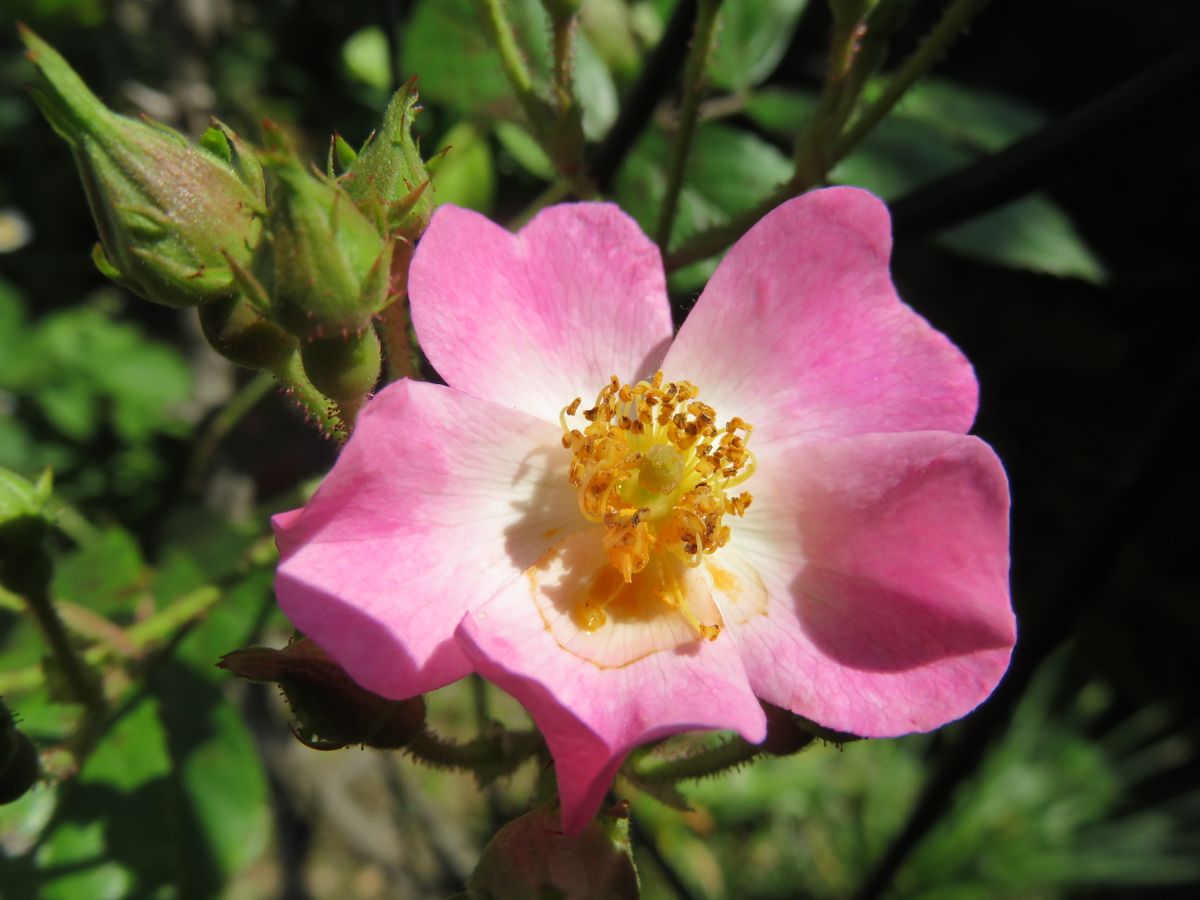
(728, 171)
(1032, 233)
(229, 624)
(365, 57)
(223, 786)
(595, 89)
(466, 176)
(907, 151)
(780, 111)
(752, 37)
(80, 357)
(447, 46)
(132, 754)
(104, 576)
(525, 149)
(70, 407)
(981, 120)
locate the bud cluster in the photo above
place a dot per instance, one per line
(278, 259)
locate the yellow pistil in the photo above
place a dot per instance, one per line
(652, 466)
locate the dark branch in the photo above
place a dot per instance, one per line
(660, 72)
(1029, 163)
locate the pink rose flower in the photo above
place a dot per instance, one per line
(780, 503)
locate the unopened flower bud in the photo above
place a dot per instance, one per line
(170, 213)
(19, 768)
(531, 857)
(236, 330)
(332, 710)
(389, 173)
(785, 733)
(25, 566)
(323, 267)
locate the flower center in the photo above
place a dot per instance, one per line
(656, 471)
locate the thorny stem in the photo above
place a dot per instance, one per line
(392, 325)
(693, 84)
(728, 754)
(559, 133)
(955, 19)
(515, 70)
(563, 39)
(317, 407)
(82, 681)
(953, 22)
(487, 756)
(858, 48)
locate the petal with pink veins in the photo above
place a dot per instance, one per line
(437, 502)
(868, 586)
(597, 692)
(800, 331)
(535, 319)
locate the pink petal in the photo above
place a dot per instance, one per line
(535, 319)
(595, 695)
(437, 502)
(800, 331)
(881, 564)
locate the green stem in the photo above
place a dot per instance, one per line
(693, 84)
(708, 243)
(563, 40)
(952, 23)
(501, 34)
(142, 636)
(317, 407)
(729, 754)
(225, 421)
(71, 522)
(392, 325)
(487, 756)
(82, 681)
(551, 195)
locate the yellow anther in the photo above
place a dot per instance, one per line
(650, 468)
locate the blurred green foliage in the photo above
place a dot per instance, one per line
(1044, 816)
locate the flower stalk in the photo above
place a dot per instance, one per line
(487, 757)
(318, 409)
(693, 86)
(558, 126)
(702, 763)
(954, 21)
(816, 155)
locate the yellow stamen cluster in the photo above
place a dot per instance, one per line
(655, 469)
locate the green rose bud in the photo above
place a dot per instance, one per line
(323, 267)
(389, 174)
(170, 213)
